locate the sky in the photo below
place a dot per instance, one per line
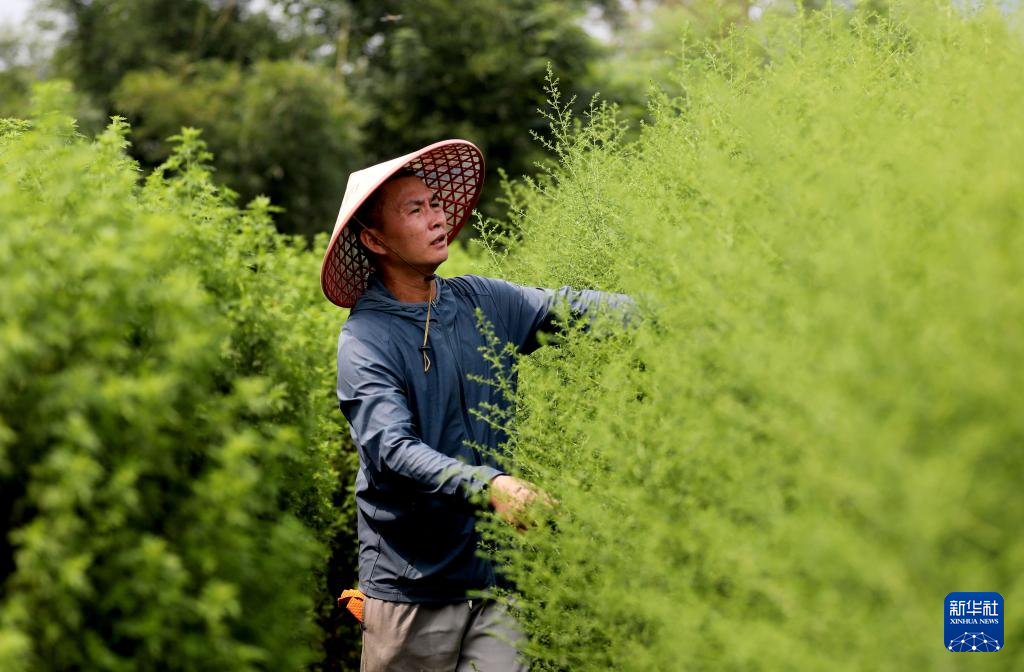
(14, 11)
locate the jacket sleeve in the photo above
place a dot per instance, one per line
(373, 400)
(528, 311)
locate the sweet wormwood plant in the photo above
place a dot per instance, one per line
(814, 432)
(168, 436)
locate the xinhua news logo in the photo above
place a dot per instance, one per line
(974, 622)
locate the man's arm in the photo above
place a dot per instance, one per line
(372, 400)
(528, 311)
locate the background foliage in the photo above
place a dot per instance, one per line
(297, 162)
(295, 94)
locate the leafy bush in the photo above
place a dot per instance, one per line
(168, 434)
(813, 431)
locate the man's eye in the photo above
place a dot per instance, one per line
(414, 211)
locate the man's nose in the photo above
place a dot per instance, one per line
(439, 220)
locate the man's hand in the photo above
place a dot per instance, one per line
(511, 498)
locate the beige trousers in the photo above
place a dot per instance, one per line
(472, 636)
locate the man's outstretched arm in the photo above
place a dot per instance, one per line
(529, 311)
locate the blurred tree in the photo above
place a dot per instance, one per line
(280, 129)
(284, 129)
(107, 38)
(15, 77)
(425, 70)
(445, 71)
(434, 69)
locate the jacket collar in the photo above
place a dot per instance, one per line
(378, 297)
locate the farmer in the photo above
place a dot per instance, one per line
(409, 364)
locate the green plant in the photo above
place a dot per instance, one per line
(812, 432)
(169, 463)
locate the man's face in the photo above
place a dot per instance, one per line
(412, 222)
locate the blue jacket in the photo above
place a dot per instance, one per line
(414, 430)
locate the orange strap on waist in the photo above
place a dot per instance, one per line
(353, 601)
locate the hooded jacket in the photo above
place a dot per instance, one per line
(416, 434)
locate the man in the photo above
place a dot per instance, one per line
(408, 361)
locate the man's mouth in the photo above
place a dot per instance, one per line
(440, 239)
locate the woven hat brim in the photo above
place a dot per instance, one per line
(453, 169)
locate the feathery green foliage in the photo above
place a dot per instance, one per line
(813, 431)
(168, 434)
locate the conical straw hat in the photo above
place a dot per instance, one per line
(453, 169)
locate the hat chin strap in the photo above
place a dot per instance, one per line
(427, 277)
(430, 301)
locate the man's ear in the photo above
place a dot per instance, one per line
(370, 240)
